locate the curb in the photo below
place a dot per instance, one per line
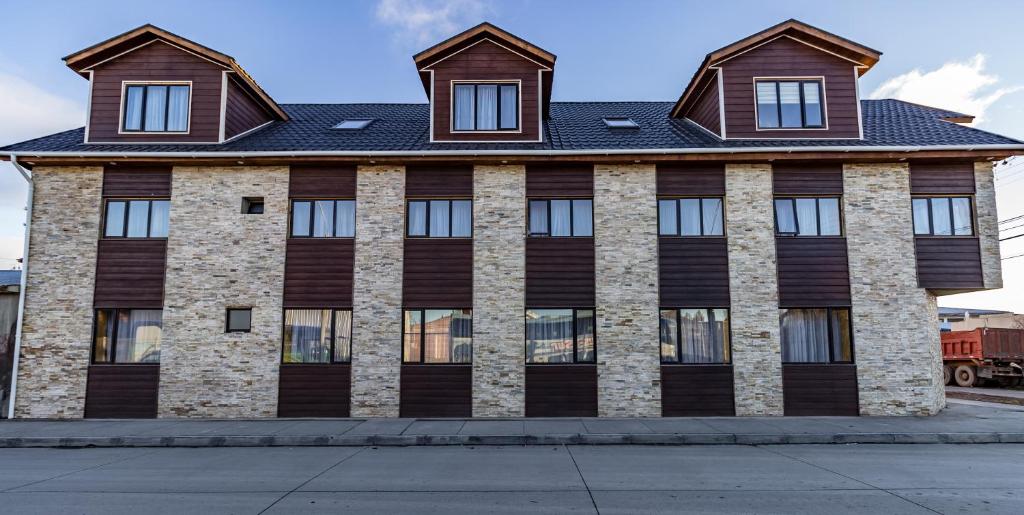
(509, 440)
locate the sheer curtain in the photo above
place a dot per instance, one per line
(921, 216)
(159, 218)
(346, 216)
(807, 216)
(828, 211)
(133, 108)
(138, 219)
(690, 213)
(696, 341)
(538, 217)
(582, 218)
(941, 225)
(804, 335)
(417, 218)
(323, 218)
(156, 105)
(508, 107)
(462, 218)
(439, 218)
(115, 218)
(668, 331)
(307, 336)
(712, 211)
(342, 336)
(962, 216)
(138, 336)
(667, 217)
(487, 107)
(785, 221)
(177, 112)
(560, 218)
(464, 99)
(549, 336)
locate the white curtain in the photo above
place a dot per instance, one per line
(156, 105)
(804, 335)
(560, 218)
(177, 112)
(667, 218)
(941, 225)
(323, 218)
(487, 107)
(138, 336)
(962, 216)
(439, 218)
(300, 217)
(138, 218)
(689, 211)
(712, 211)
(462, 218)
(538, 217)
(115, 218)
(464, 99)
(346, 215)
(785, 219)
(342, 336)
(159, 218)
(828, 211)
(582, 218)
(307, 336)
(508, 107)
(133, 108)
(807, 216)
(921, 216)
(549, 336)
(418, 218)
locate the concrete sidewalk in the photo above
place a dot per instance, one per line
(959, 423)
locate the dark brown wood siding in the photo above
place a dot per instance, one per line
(122, 391)
(819, 390)
(815, 179)
(242, 112)
(683, 180)
(693, 272)
(322, 182)
(156, 62)
(558, 180)
(437, 273)
(953, 262)
(484, 62)
(559, 272)
(436, 391)
(785, 57)
(928, 177)
(439, 181)
(697, 391)
(321, 390)
(136, 182)
(561, 390)
(318, 272)
(705, 111)
(130, 273)
(813, 272)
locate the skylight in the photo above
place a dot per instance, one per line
(354, 124)
(621, 123)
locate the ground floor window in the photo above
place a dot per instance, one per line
(694, 336)
(437, 336)
(127, 336)
(317, 336)
(557, 336)
(816, 335)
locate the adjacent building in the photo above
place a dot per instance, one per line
(768, 244)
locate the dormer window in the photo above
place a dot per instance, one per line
(162, 107)
(485, 107)
(790, 104)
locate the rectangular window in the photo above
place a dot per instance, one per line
(317, 336)
(137, 219)
(156, 108)
(127, 336)
(439, 218)
(690, 217)
(809, 216)
(323, 218)
(485, 107)
(694, 336)
(943, 216)
(560, 336)
(239, 320)
(791, 104)
(561, 217)
(816, 335)
(437, 336)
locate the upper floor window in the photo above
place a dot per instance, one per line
(485, 107)
(324, 218)
(137, 218)
(156, 107)
(562, 217)
(807, 217)
(790, 104)
(690, 217)
(127, 336)
(817, 335)
(560, 336)
(437, 336)
(317, 336)
(440, 218)
(943, 216)
(694, 336)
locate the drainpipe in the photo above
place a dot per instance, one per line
(24, 280)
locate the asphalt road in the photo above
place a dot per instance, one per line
(833, 479)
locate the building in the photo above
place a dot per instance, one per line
(199, 250)
(10, 286)
(965, 319)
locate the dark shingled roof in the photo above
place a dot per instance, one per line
(575, 126)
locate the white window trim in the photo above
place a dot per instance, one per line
(120, 109)
(519, 106)
(824, 104)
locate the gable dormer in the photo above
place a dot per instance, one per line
(791, 81)
(151, 86)
(486, 85)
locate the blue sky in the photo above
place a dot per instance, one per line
(942, 53)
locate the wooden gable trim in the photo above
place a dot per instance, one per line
(484, 28)
(475, 43)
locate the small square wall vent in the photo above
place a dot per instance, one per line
(621, 123)
(353, 124)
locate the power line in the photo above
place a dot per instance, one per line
(1011, 237)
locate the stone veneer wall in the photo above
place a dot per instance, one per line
(754, 289)
(987, 224)
(626, 274)
(218, 258)
(377, 291)
(57, 331)
(895, 329)
(499, 303)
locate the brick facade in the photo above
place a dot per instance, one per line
(988, 224)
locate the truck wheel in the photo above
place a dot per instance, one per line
(947, 375)
(966, 375)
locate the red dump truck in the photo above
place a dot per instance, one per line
(971, 357)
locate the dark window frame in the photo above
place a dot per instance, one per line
(679, 337)
(334, 341)
(227, 320)
(115, 316)
(803, 105)
(423, 336)
(312, 216)
(575, 337)
(167, 107)
(451, 219)
(476, 106)
(679, 217)
(952, 217)
(124, 222)
(572, 217)
(831, 347)
(817, 220)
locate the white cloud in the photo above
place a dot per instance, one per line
(430, 21)
(961, 86)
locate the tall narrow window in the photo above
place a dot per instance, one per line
(317, 336)
(694, 336)
(943, 216)
(127, 336)
(485, 107)
(809, 216)
(690, 217)
(561, 217)
(439, 218)
(136, 219)
(789, 104)
(560, 336)
(156, 108)
(323, 218)
(437, 336)
(816, 335)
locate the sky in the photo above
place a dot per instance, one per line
(948, 54)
